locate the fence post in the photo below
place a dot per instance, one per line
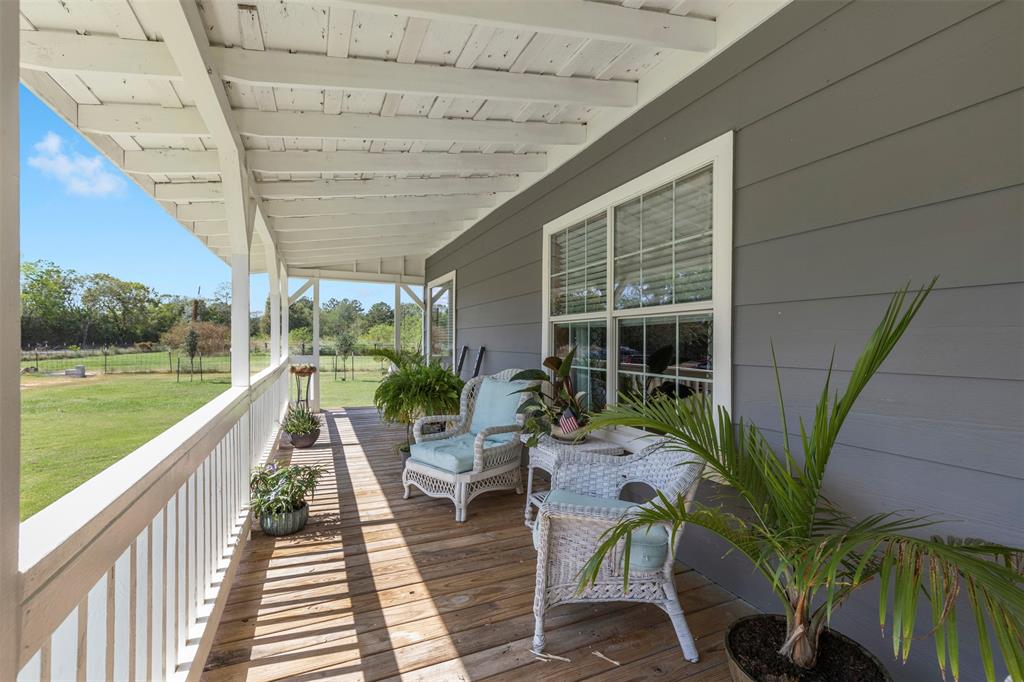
(170, 362)
(104, 360)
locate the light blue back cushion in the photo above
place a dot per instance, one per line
(649, 545)
(494, 405)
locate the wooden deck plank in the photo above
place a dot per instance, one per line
(377, 587)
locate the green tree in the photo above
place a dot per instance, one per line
(380, 313)
(49, 304)
(124, 306)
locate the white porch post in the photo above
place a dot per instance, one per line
(316, 345)
(239, 319)
(398, 317)
(10, 345)
(284, 308)
(274, 275)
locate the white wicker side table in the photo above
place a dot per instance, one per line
(543, 455)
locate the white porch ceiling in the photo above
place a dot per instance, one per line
(373, 132)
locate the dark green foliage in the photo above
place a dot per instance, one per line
(275, 490)
(299, 421)
(812, 553)
(413, 389)
(543, 408)
(191, 343)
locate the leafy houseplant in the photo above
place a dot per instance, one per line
(278, 496)
(301, 425)
(543, 409)
(414, 389)
(813, 554)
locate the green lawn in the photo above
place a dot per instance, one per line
(71, 429)
(156, 361)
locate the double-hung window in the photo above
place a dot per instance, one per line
(639, 282)
(440, 323)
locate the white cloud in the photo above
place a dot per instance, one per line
(81, 175)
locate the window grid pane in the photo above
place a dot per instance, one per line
(578, 278)
(588, 367)
(663, 245)
(668, 355)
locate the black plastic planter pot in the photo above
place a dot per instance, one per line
(303, 440)
(752, 644)
(285, 524)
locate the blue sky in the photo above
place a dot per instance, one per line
(79, 211)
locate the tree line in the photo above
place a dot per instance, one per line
(62, 308)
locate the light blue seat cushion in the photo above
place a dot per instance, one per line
(450, 454)
(648, 546)
(496, 404)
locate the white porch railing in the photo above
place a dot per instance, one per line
(124, 577)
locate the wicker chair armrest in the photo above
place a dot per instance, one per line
(486, 457)
(421, 437)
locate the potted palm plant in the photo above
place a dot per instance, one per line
(814, 555)
(412, 389)
(551, 400)
(278, 496)
(301, 425)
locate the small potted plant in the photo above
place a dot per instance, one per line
(412, 389)
(810, 552)
(559, 411)
(301, 425)
(278, 496)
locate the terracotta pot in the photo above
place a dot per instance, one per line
(303, 440)
(739, 674)
(285, 524)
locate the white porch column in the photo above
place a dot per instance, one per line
(398, 317)
(239, 319)
(275, 308)
(10, 345)
(316, 345)
(283, 276)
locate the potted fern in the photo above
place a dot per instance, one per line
(278, 496)
(813, 554)
(412, 389)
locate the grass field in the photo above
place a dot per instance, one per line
(156, 361)
(71, 429)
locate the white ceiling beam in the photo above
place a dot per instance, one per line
(332, 222)
(315, 207)
(318, 255)
(206, 210)
(56, 51)
(149, 119)
(391, 162)
(379, 231)
(332, 245)
(171, 161)
(179, 192)
(135, 119)
(276, 68)
(402, 128)
(589, 20)
(355, 275)
(387, 187)
(70, 52)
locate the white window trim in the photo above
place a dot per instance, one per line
(450, 276)
(718, 154)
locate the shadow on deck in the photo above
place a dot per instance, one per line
(378, 587)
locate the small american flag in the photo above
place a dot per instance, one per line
(567, 422)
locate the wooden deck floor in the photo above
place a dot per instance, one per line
(378, 587)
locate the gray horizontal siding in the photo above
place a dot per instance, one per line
(876, 143)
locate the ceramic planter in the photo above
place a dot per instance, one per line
(303, 440)
(857, 657)
(285, 524)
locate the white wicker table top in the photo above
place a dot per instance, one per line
(543, 454)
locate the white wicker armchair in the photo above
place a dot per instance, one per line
(583, 504)
(496, 462)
